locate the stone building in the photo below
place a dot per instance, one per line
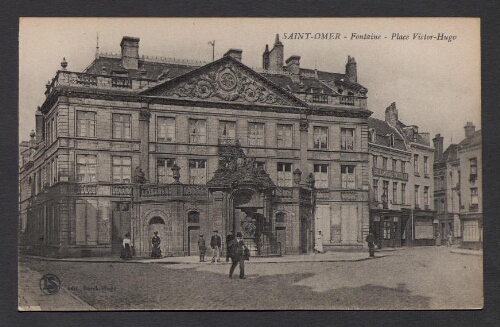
(401, 183)
(135, 145)
(458, 188)
(447, 187)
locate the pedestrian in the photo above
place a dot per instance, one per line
(318, 247)
(450, 239)
(237, 250)
(370, 239)
(156, 251)
(229, 238)
(215, 244)
(202, 248)
(438, 238)
(126, 248)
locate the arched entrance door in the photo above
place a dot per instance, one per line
(249, 219)
(157, 224)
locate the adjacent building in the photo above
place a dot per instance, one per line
(458, 188)
(401, 211)
(137, 145)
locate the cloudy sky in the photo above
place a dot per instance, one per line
(435, 83)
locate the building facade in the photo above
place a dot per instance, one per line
(471, 181)
(138, 145)
(458, 188)
(447, 188)
(401, 211)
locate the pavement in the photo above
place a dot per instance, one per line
(31, 297)
(319, 257)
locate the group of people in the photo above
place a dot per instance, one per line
(235, 250)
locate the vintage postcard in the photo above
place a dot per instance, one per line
(250, 164)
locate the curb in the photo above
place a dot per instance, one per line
(468, 253)
(196, 263)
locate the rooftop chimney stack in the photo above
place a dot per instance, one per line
(130, 52)
(438, 147)
(234, 53)
(265, 58)
(391, 115)
(351, 70)
(293, 67)
(469, 129)
(276, 56)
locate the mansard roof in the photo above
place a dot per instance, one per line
(148, 69)
(450, 155)
(223, 80)
(472, 140)
(383, 130)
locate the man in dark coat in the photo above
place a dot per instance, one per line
(370, 239)
(215, 244)
(229, 238)
(236, 251)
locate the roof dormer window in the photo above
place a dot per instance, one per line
(371, 135)
(391, 140)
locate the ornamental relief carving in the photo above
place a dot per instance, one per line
(227, 84)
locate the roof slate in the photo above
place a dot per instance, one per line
(472, 140)
(382, 130)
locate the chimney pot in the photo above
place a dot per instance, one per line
(469, 129)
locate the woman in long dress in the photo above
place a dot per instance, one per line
(318, 247)
(155, 241)
(127, 248)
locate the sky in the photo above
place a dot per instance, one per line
(435, 83)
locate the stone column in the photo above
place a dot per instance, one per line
(144, 117)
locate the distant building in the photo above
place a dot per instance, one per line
(137, 145)
(471, 183)
(458, 188)
(447, 188)
(401, 212)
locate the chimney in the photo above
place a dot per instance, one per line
(265, 58)
(130, 52)
(351, 71)
(276, 56)
(469, 129)
(234, 53)
(39, 120)
(438, 147)
(293, 67)
(391, 115)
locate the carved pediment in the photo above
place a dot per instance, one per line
(225, 80)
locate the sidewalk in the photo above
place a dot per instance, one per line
(323, 257)
(466, 251)
(31, 298)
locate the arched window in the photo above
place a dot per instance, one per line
(194, 217)
(157, 220)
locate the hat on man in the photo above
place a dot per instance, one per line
(201, 235)
(216, 231)
(239, 234)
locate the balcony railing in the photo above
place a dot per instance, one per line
(474, 208)
(390, 174)
(66, 78)
(155, 191)
(121, 190)
(86, 189)
(348, 101)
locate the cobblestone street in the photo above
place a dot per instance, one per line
(419, 278)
